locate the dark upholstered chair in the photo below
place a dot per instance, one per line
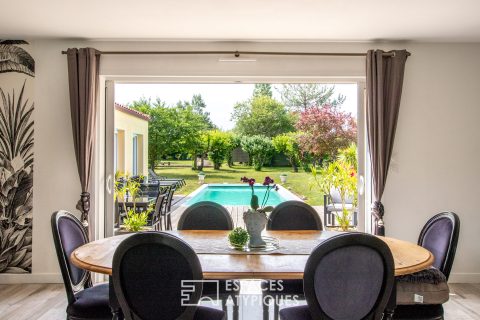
(289, 215)
(349, 276)
(84, 300)
(440, 236)
(294, 215)
(205, 215)
(148, 271)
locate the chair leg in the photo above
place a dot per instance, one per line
(236, 309)
(392, 303)
(169, 222)
(276, 310)
(266, 308)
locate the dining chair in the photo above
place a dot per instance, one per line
(208, 215)
(84, 300)
(289, 215)
(348, 276)
(205, 215)
(158, 211)
(294, 215)
(168, 207)
(158, 276)
(440, 236)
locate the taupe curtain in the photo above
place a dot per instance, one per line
(83, 67)
(384, 90)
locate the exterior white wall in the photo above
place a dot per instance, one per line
(128, 126)
(435, 155)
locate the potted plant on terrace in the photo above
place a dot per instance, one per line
(126, 188)
(256, 217)
(340, 176)
(283, 178)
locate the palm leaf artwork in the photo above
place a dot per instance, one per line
(16, 182)
(15, 59)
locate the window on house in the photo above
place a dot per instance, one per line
(135, 155)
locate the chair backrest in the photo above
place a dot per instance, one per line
(294, 215)
(149, 270)
(68, 235)
(205, 215)
(336, 198)
(150, 189)
(171, 191)
(160, 204)
(440, 237)
(349, 276)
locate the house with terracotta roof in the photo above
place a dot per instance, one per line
(131, 140)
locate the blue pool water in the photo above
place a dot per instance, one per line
(234, 195)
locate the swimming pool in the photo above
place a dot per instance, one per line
(237, 195)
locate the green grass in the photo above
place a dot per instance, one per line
(298, 183)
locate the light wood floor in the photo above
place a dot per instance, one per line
(48, 302)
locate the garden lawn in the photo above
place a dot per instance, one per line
(298, 183)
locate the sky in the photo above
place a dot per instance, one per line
(219, 98)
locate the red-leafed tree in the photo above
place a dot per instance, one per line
(324, 130)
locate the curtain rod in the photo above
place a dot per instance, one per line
(238, 53)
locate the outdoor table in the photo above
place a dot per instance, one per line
(97, 256)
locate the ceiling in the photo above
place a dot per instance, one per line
(298, 20)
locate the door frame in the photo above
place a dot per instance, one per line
(105, 177)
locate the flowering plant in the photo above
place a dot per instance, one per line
(254, 204)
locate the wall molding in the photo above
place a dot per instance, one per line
(11, 278)
(464, 278)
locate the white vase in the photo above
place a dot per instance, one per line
(255, 222)
(283, 179)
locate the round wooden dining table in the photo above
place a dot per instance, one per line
(97, 256)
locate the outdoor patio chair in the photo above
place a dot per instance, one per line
(289, 215)
(148, 271)
(84, 300)
(207, 215)
(152, 177)
(332, 206)
(349, 276)
(159, 210)
(440, 236)
(168, 207)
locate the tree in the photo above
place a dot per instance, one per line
(262, 89)
(303, 96)
(171, 130)
(259, 148)
(287, 144)
(324, 130)
(198, 105)
(262, 115)
(219, 147)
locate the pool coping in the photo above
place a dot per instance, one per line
(282, 191)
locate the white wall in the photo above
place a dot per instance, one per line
(435, 164)
(435, 155)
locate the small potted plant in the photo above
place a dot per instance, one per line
(238, 238)
(283, 178)
(201, 177)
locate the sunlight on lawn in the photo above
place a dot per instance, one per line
(298, 183)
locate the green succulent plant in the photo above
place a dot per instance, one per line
(238, 237)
